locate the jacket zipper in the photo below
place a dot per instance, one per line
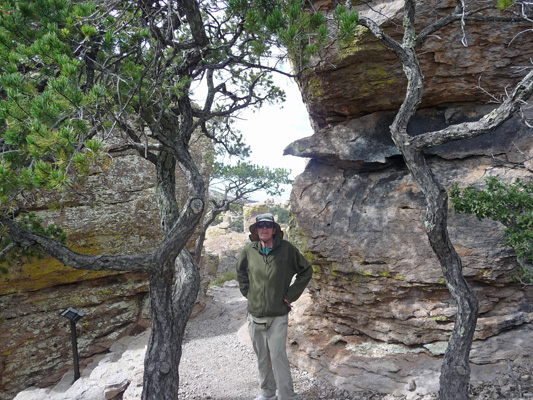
(265, 282)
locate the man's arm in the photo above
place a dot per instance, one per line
(242, 273)
(304, 273)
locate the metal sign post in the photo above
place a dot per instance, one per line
(74, 316)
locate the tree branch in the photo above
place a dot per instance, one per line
(521, 93)
(195, 22)
(387, 40)
(137, 146)
(6, 250)
(24, 237)
(459, 14)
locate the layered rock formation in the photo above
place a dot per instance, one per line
(114, 212)
(378, 314)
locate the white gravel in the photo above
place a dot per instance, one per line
(215, 364)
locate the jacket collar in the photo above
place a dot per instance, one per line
(257, 244)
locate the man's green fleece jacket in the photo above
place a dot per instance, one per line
(265, 280)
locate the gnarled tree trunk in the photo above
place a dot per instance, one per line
(175, 284)
(175, 277)
(455, 372)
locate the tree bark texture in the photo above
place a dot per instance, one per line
(455, 370)
(173, 290)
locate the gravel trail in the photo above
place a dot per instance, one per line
(218, 362)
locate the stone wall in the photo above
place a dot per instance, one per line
(114, 211)
(378, 315)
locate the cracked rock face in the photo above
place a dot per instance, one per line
(378, 314)
(458, 64)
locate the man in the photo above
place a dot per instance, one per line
(265, 271)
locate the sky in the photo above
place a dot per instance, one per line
(272, 128)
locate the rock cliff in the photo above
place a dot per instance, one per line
(114, 211)
(378, 314)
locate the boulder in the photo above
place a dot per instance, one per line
(378, 314)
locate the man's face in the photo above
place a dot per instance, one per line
(265, 230)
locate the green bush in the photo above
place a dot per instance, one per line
(508, 203)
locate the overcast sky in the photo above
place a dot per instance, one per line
(271, 129)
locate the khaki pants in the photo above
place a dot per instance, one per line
(271, 349)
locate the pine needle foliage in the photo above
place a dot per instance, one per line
(243, 178)
(295, 26)
(46, 99)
